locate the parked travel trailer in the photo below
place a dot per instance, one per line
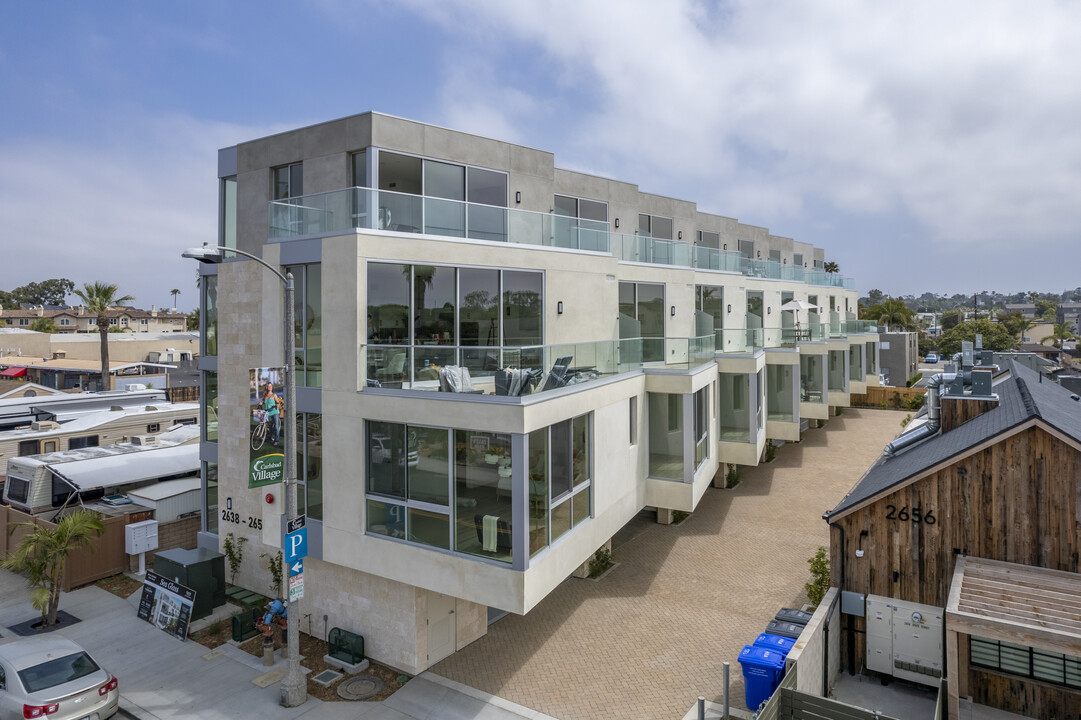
(44, 484)
(102, 427)
(18, 411)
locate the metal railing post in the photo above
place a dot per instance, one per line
(701, 708)
(724, 714)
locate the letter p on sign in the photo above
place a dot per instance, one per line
(296, 544)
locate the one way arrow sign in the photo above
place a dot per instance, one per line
(297, 568)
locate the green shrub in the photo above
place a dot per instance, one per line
(771, 451)
(906, 420)
(731, 478)
(601, 561)
(914, 402)
(820, 576)
(679, 516)
(915, 379)
(234, 554)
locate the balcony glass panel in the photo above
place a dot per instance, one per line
(812, 378)
(780, 394)
(666, 435)
(735, 407)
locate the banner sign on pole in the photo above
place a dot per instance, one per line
(266, 427)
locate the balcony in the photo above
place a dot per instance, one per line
(365, 208)
(520, 371)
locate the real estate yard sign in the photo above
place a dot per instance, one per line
(266, 463)
(166, 604)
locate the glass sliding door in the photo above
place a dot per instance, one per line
(444, 209)
(780, 394)
(811, 376)
(665, 435)
(486, 191)
(523, 304)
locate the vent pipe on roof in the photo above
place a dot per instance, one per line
(934, 387)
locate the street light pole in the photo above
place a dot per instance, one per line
(294, 686)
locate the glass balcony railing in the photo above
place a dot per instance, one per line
(861, 326)
(365, 208)
(517, 371)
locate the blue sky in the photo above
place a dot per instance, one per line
(927, 147)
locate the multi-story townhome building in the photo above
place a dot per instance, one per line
(499, 363)
(80, 320)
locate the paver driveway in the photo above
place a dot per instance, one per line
(651, 637)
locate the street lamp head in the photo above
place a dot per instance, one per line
(205, 254)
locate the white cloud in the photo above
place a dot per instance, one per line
(119, 209)
(960, 116)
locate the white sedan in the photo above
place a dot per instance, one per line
(52, 677)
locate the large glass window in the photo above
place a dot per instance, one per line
(228, 211)
(210, 422)
(838, 371)
(872, 358)
(210, 312)
(210, 510)
(449, 316)
(579, 223)
(308, 323)
(780, 393)
(709, 239)
(855, 363)
(754, 310)
(442, 180)
(560, 469)
(665, 435)
(310, 461)
(655, 226)
(735, 407)
(812, 378)
(483, 469)
(701, 426)
(709, 303)
(641, 319)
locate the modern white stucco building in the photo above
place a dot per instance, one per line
(623, 348)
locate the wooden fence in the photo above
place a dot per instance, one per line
(889, 397)
(82, 567)
(796, 705)
(771, 710)
(184, 393)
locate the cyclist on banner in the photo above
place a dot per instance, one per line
(274, 406)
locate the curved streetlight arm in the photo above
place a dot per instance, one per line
(214, 254)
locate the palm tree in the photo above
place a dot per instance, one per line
(831, 267)
(99, 297)
(174, 292)
(43, 553)
(1060, 333)
(893, 311)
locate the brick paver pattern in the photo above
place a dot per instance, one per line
(649, 638)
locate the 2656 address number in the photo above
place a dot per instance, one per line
(915, 515)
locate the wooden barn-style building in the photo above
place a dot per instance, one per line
(965, 534)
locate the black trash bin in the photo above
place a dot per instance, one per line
(791, 615)
(784, 629)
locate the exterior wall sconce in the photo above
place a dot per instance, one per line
(769, 311)
(617, 223)
(759, 253)
(859, 548)
(518, 196)
(785, 261)
(673, 311)
(725, 246)
(729, 307)
(680, 234)
(559, 307)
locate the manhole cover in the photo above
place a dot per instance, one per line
(361, 687)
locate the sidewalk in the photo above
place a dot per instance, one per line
(162, 678)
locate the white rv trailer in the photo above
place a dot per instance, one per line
(43, 484)
(19, 411)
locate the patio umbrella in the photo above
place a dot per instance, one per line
(798, 305)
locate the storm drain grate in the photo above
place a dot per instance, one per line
(360, 687)
(326, 678)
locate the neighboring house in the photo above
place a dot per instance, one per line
(499, 364)
(1070, 314)
(975, 527)
(899, 357)
(1048, 352)
(1027, 310)
(123, 347)
(80, 320)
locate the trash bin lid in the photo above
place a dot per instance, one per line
(760, 657)
(784, 629)
(799, 617)
(774, 642)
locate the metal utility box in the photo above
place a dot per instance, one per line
(141, 537)
(904, 639)
(201, 570)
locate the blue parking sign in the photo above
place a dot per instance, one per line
(296, 544)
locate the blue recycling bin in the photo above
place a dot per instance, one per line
(774, 642)
(762, 672)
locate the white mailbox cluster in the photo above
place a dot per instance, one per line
(141, 537)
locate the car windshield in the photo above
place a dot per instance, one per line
(57, 672)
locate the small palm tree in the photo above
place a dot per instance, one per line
(831, 267)
(893, 311)
(99, 297)
(174, 292)
(42, 554)
(1060, 333)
